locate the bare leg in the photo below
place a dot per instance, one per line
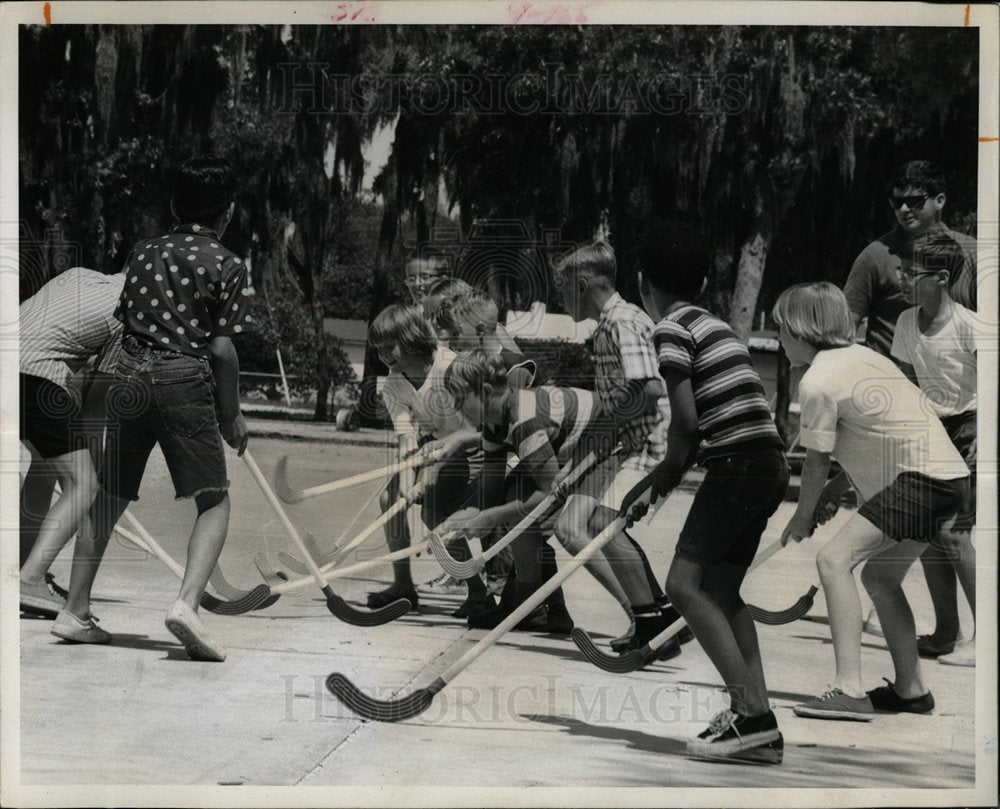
(856, 541)
(78, 481)
(573, 532)
(36, 498)
(625, 561)
(708, 619)
(883, 577)
(204, 546)
(940, 575)
(91, 542)
(961, 553)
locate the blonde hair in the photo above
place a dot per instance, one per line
(471, 370)
(816, 313)
(595, 260)
(404, 326)
(468, 311)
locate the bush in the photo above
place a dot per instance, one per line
(560, 362)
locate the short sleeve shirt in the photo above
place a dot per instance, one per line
(183, 289)
(733, 415)
(857, 405)
(68, 321)
(873, 289)
(945, 361)
(425, 411)
(623, 353)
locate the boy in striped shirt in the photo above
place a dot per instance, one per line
(719, 414)
(547, 428)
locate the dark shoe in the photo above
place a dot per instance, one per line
(647, 628)
(559, 620)
(928, 646)
(473, 605)
(384, 598)
(732, 735)
(885, 699)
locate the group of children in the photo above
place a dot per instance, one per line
(667, 394)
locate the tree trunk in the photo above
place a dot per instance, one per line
(322, 364)
(750, 273)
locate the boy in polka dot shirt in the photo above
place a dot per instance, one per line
(185, 297)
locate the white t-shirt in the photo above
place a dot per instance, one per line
(427, 410)
(857, 405)
(945, 362)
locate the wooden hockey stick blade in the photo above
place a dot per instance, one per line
(350, 615)
(271, 578)
(462, 570)
(420, 700)
(793, 613)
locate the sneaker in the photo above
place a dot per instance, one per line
(50, 580)
(68, 627)
(444, 584)
(835, 704)
(929, 646)
(39, 599)
(185, 625)
(964, 655)
(621, 643)
(648, 628)
(733, 735)
(885, 699)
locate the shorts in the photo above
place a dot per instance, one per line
(457, 486)
(915, 506)
(731, 508)
(962, 432)
(50, 418)
(162, 397)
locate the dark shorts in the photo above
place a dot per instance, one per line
(730, 511)
(915, 506)
(49, 418)
(457, 486)
(167, 398)
(962, 432)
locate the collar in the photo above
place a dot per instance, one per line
(195, 229)
(610, 304)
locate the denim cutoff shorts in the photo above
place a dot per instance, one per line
(163, 397)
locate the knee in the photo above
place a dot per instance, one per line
(679, 589)
(872, 580)
(830, 562)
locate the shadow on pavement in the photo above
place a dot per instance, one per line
(635, 739)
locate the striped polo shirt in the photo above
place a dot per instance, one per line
(733, 415)
(68, 321)
(542, 423)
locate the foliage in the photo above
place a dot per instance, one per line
(560, 362)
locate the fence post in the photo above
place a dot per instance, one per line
(284, 380)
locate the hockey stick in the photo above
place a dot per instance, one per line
(290, 495)
(793, 613)
(340, 553)
(419, 700)
(337, 606)
(470, 567)
(635, 659)
(258, 598)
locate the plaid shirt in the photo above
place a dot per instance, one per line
(623, 353)
(68, 321)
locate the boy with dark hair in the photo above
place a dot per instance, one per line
(185, 296)
(719, 414)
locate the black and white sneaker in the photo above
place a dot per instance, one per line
(735, 736)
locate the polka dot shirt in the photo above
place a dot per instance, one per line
(183, 289)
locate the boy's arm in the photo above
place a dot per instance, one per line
(683, 438)
(814, 474)
(226, 372)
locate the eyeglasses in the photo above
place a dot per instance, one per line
(910, 275)
(912, 201)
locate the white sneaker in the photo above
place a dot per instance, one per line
(186, 626)
(964, 654)
(68, 627)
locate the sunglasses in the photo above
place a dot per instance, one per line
(912, 202)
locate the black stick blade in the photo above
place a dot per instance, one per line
(351, 615)
(793, 613)
(257, 599)
(382, 710)
(281, 486)
(617, 664)
(460, 570)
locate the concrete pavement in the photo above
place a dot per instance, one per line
(529, 717)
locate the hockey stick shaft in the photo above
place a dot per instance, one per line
(364, 477)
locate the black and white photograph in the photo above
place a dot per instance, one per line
(499, 403)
